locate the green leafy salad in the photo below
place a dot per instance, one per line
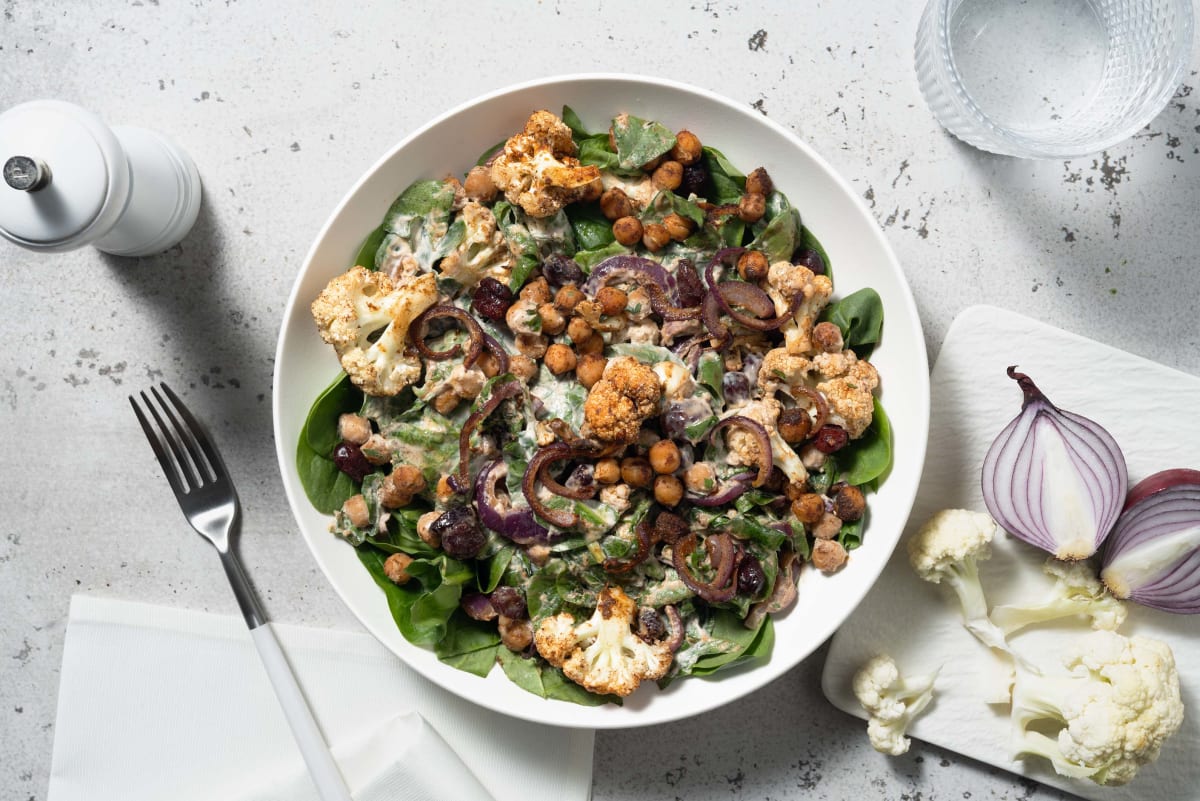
(598, 409)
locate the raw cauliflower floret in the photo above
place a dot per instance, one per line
(359, 304)
(602, 654)
(537, 169)
(617, 404)
(1116, 708)
(784, 281)
(892, 701)
(851, 404)
(483, 251)
(782, 368)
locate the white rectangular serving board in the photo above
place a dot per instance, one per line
(1154, 414)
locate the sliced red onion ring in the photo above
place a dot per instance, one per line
(497, 350)
(722, 554)
(630, 268)
(710, 313)
(495, 512)
(554, 452)
(766, 458)
(726, 494)
(474, 330)
(645, 537)
(1152, 556)
(1053, 478)
(675, 625)
(460, 481)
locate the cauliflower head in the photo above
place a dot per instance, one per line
(537, 169)
(851, 402)
(1077, 591)
(1117, 707)
(786, 280)
(602, 654)
(617, 404)
(891, 701)
(357, 305)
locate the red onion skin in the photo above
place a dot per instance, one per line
(1161, 481)
(1019, 502)
(1152, 556)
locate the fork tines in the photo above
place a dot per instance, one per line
(184, 450)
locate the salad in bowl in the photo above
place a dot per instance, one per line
(601, 404)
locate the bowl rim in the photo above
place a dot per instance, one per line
(769, 670)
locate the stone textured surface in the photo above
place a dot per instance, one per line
(283, 105)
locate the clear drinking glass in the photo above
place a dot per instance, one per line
(1050, 78)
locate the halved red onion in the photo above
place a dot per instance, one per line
(1152, 556)
(766, 458)
(1053, 478)
(496, 512)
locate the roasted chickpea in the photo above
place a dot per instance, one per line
(628, 231)
(553, 321)
(578, 330)
(590, 369)
(522, 367)
(607, 471)
(793, 490)
(428, 536)
(849, 504)
(396, 568)
(828, 337)
(612, 300)
(560, 359)
(808, 508)
(794, 425)
(759, 183)
(593, 191)
(701, 478)
(752, 207)
(752, 265)
(355, 508)
(515, 634)
(655, 237)
(479, 186)
(668, 176)
(538, 554)
(678, 227)
(568, 298)
(615, 204)
(827, 527)
(376, 449)
(687, 150)
(446, 402)
(592, 345)
(399, 486)
(353, 428)
(828, 555)
(444, 491)
(537, 290)
(488, 364)
(636, 472)
(668, 490)
(532, 345)
(665, 456)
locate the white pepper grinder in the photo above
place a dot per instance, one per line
(71, 181)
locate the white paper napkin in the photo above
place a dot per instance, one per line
(161, 703)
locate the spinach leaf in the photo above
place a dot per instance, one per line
(821, 480)
(418, 200)
(491, 151)
(495, 569)
(592, 229)
(546, 681)
(520, 242)
(469, 645)
(755, 643)
(867, 459)
(809, 241)
(367, 254)
(587, 259)
(639, 141)
(860, 317)
(666, 203)
(572, 121)
(594, 151)
(711, 374)
(326, 486)
(727, 181)
(850, 534)
(778, 239)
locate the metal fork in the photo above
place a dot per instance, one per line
(202, 486)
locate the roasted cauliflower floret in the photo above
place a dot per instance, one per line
(602, 654)
(359, 304)
(851, 404)
(743, 447)
(537, 169)
(482, 252)
(780, 368)
(677, 382)
(834, 365)
(619, 402)
(784, 281)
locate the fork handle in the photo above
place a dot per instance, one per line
(324, 771)
(322, 768)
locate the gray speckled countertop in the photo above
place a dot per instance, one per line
(282, 106)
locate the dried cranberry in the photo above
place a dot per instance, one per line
(830, 439)
(562, 270)
(509, 602)
(687, 281)
(807, 257)
(750, 577)
(695, 176)
(491, 299)
(350, 460)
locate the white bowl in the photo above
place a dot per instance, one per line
(860, 257)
